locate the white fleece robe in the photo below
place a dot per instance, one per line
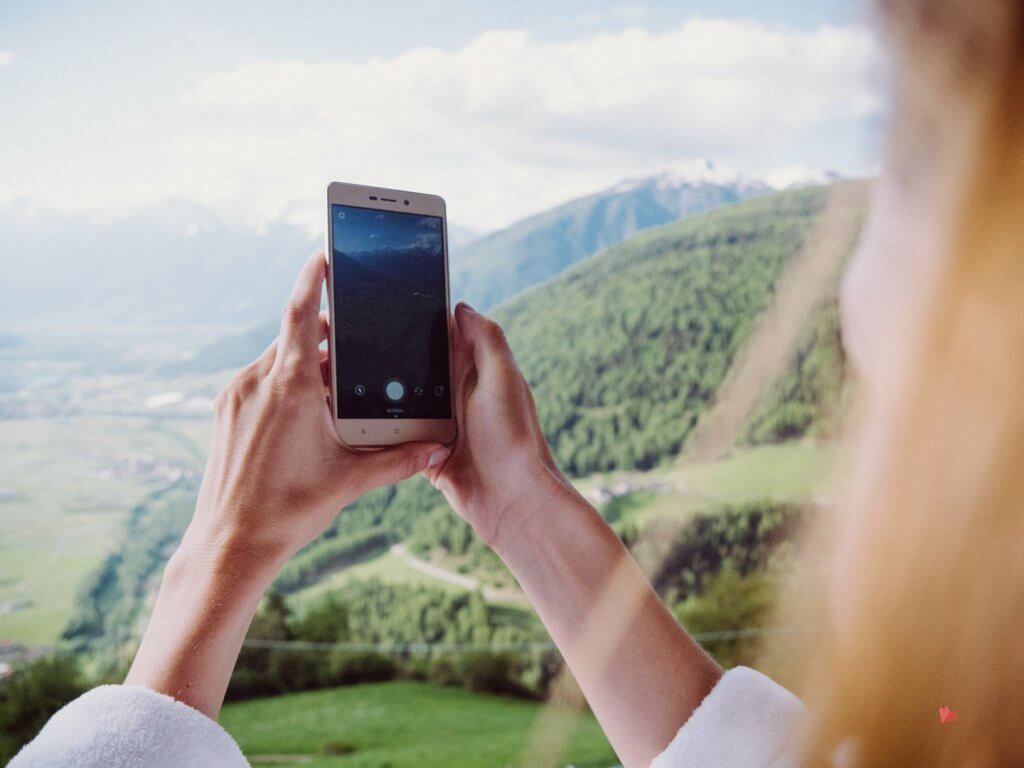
(747, 721)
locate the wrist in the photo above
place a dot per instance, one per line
(529, 511)
(222, 563)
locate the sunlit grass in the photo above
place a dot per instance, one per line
(404, 725)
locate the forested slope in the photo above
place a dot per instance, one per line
(625, 350)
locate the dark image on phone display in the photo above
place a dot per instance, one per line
(390, 315)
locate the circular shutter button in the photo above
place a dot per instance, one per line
(394, 390)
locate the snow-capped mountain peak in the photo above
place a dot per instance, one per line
(703, 172)
(793, 176)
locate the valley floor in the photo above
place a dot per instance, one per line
(67, 486)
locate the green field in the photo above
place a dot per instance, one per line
(413, 725)
(798, 471)
(71, 483)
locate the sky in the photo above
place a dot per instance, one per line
(505, 109)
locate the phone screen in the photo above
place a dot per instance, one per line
(390, 315)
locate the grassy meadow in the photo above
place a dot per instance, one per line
(412, 725)
(69, 486)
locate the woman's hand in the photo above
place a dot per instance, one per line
(501, 471)
(277, 472)
(276, 476)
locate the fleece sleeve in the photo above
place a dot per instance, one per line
(747, 721)
(119, 726)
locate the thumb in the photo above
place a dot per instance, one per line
(395, 464)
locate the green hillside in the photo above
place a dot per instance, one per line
(411, 725)
(625, 350)
(500, 265)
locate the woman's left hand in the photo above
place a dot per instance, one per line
(277, 472)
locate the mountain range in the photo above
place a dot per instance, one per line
(500, 265)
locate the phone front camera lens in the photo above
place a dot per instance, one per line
(406, 202)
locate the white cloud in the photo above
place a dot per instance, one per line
(6, 57)
(502, 127)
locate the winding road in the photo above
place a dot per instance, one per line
(490, 594)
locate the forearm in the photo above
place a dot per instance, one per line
(206, 602)
(641, 673)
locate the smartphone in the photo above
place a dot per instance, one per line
(390, 319)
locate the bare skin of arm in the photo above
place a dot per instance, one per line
(276, 476)
(641, 673)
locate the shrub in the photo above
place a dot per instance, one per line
(348, 668)
(333, 747)
(32, 693)
(729, 603)
(444, 671)
(487, 672)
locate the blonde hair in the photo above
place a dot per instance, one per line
(933, 607)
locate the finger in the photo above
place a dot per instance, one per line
(463, 369)
(300, 323)
(395, 464)
(325, 354)
(492, 350)
(325, 367)
(491, 353)
(325, 327)
(462, 353)
(463, 375)
(266, 359)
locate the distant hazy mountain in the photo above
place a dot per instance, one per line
(174, 265)
(504, 263)
(459, 236)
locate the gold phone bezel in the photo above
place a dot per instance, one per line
(380, 433)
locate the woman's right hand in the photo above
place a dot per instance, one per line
(501, 471)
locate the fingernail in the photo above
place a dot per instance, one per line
(438, 456)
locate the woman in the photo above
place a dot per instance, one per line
(927, 581)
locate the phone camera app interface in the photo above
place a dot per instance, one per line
(390, 316)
